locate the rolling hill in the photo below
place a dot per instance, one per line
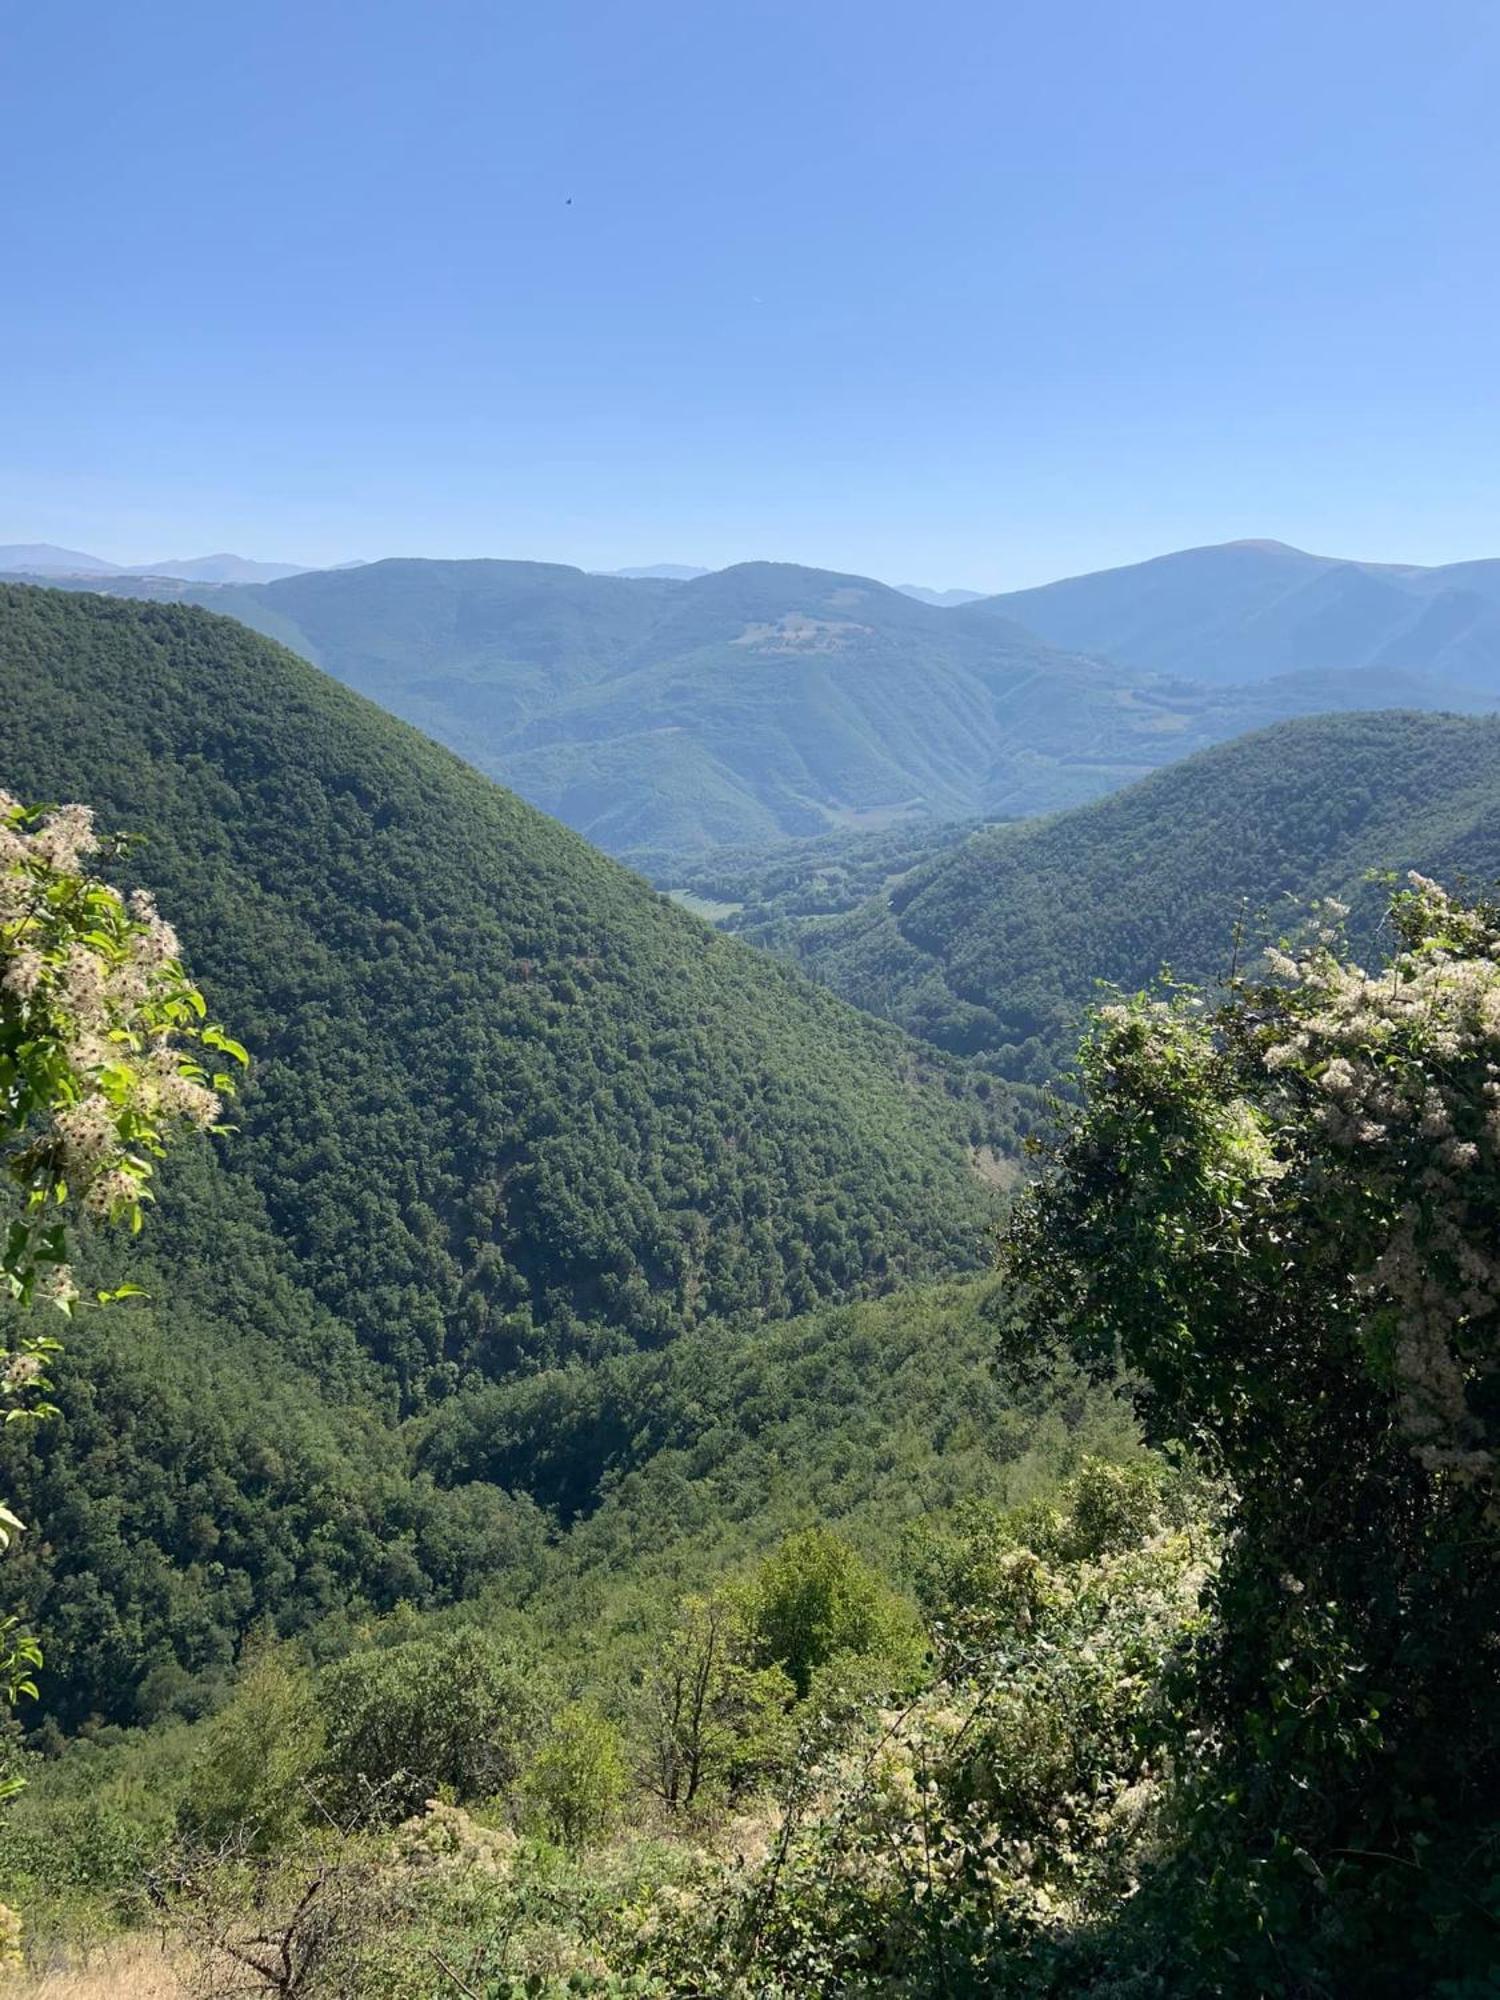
(754, 705)
(509, 1108)
(994, 947)
(1247, 611)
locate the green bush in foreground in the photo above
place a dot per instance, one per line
(576, 1785)
(1283, 1215)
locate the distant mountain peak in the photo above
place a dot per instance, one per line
(222, 568)
(46, 559)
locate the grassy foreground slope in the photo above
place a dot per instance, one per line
(993, 948)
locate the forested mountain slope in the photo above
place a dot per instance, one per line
(753, 705)
(506, 1100)
(995, 946)
(508, 1107)
(1245, 611)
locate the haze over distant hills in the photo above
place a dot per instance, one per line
(1247, 610)
(668, 572)
(671, 714)
(223, 569)
(945, 599)
(46, 559)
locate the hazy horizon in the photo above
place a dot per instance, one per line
(619, 289)
(900, 581)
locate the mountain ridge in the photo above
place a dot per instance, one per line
(752, 705)
(1252, 610)
(993, 948)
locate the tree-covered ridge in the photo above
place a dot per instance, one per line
(761, 703)
(994, 948)
(507, 1102)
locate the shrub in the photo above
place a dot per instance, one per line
(814, 1598)
(449, 1714)
(577, 1783)
(250, 1784)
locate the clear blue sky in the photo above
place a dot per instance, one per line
(965, 291)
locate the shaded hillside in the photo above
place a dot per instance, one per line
(1246, 611)
(995, 947)
(506, 1100)
(751, 706)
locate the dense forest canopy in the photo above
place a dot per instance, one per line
(508, 1108)
(507, 1102)
(994, 946)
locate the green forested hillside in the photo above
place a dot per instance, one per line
(994, 947)
(508, 1107)
(506, 1101)
(199, 1483)
(758, 704)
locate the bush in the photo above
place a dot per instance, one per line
(577, 1783)
(814, 1598)
(250, 1782)
(451, 1714)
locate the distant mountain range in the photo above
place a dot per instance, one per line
(1249, 610)
(668, 715)
(46, 559)
(750, 705)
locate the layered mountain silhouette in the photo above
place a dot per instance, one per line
(46, 559)
(665, 717)
(1247, 611)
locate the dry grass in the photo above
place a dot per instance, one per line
(136, 1969)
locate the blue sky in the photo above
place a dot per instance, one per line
(949, 292)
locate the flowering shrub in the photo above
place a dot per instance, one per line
(100, 1034)
(103, 1041)
(954, 1843)
(1282, 1215)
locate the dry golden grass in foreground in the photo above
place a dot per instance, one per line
(136, 1969)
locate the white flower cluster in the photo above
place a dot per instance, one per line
(1404, 1069)
(96, 1020)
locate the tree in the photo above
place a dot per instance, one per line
(814, 1598)
(714, 1720)
(578, 1781)
(402, 1723)
(251, 1780)
(101, 1033)
(1282, 1216)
